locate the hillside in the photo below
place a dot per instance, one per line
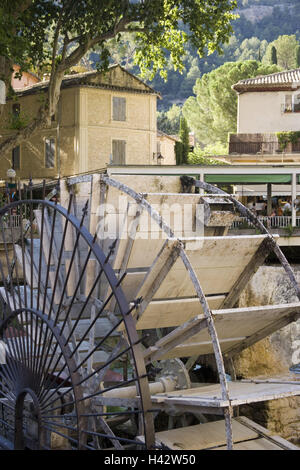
(260, 22)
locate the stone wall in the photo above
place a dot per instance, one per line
(273, 355)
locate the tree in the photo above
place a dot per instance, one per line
(184, 139)
(169, 121)
(178, 153)
(285, 50)
(58, 33)
(298, 56)
(203, 156)
(212, 114)
(274, 55)
(251, 49)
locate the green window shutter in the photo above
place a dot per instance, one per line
(119, 109)
(119, 152)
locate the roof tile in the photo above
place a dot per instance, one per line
(287, 78)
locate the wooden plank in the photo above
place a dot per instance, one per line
(132, 282)
(174, 312)
(270, 311)
(274, 326)
(170, 341)
(27, 267)
(234, 327)
(217, 263)
(200, 348)
(143, 253)
(157, 273)
(203, 436)
(257, 260)
(102, 327)
(255, 444)
(277, 440)
(240, 393)
(95, 201)
(151, 183)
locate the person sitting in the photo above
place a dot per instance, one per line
(279, 211)
(287, 208)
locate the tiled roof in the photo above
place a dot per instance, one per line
(82, 79)
(287, 79)
(168, 136)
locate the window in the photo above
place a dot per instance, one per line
(16, 158)
(16, 109)
(288, 105)
(49, 153)
(118, 152)
(296, 103)
(119, 109)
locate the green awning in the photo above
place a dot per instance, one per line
(248, 179)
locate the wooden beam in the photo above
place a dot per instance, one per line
(176, 337)
(157, 272)
(266, 433)
(262, 334)
(257, 260)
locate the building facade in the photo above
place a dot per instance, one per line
(269, 104)
(166, 148)
(26, 80)
(103, 118)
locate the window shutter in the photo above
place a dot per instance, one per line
(119, 152)
(16, 158)
(49, 153)
(119, 109)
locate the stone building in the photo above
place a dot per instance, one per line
(102, 118)
(166, 148)
(269, 103)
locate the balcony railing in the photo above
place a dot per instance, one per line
(291, 108)
(253, 148)
(276, 221)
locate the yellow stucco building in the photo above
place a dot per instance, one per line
(102, 118)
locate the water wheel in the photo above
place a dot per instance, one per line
(108, 302)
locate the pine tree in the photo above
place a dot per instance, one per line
(184, 139)
(274, 55)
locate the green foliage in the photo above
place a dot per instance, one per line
(212, 113)
(285, 47)
(169, 121)
(203, 156)
(285, 137)
(17, 121)
(178, 153)
(249, 42)
(184, 139)
(56, 34)
(289, 230)
(274, 56)
(298, 56)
